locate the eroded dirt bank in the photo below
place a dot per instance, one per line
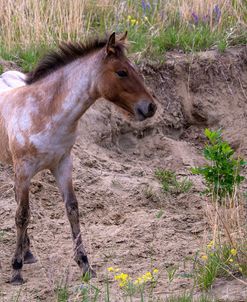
(114, 163)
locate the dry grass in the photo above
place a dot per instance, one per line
(227, 222)
(40, 21)
(25, 23)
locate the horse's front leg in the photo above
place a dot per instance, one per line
(63, 175)
(22, 182)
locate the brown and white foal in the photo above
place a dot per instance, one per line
(38, 124)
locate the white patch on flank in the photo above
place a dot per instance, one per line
(24, 115)
(20, 121)
(24, 121)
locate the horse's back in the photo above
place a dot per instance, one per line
(11, 79)
(8, 80)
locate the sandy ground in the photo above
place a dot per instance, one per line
(114, 162)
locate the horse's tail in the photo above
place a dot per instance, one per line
(11, 79)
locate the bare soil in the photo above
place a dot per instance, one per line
(123, 224)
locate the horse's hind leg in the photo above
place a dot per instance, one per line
(22, 183)
(63, 175)
(28, 255)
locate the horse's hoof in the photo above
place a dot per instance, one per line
(17, 280)
(29, 258)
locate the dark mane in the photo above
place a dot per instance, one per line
(66, 53)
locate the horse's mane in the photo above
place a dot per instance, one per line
(66, 53)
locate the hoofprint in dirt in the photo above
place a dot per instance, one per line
(114, 163)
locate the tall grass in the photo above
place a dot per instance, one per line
(154, 26)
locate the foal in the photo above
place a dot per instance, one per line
(38, 124)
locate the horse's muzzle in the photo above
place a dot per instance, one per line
(145, 109)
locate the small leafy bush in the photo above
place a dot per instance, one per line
(171, 184)
(222, 174)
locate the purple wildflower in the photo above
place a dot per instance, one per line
(217, 12)
(195, 18)
(145, 6)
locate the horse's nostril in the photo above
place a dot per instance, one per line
(151, 108)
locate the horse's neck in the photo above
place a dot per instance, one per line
(73, 88)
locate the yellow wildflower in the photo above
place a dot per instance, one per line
(122, 284)
(138, 281)
(233, 252)
(113, 269)
(230, 260)
(210, 244)
(155, 271)
(121, 276)
(147, 277)
(123, 279)
(204, 257)
(133, 22)
(129, 17)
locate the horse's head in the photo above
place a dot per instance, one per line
(120, 83)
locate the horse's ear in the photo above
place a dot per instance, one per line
(110, 46)
(124, 37)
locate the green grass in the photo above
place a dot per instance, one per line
(170, 183)
(189, 298)
(188, 39)
(62, 294)
(2, 235)
(25, 58)
(153, 29)
(159, 214)
(218, 261)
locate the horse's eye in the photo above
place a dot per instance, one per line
(122, 73)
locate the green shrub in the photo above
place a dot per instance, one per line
(222, 173)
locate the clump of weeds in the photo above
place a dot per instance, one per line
(171, 184)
